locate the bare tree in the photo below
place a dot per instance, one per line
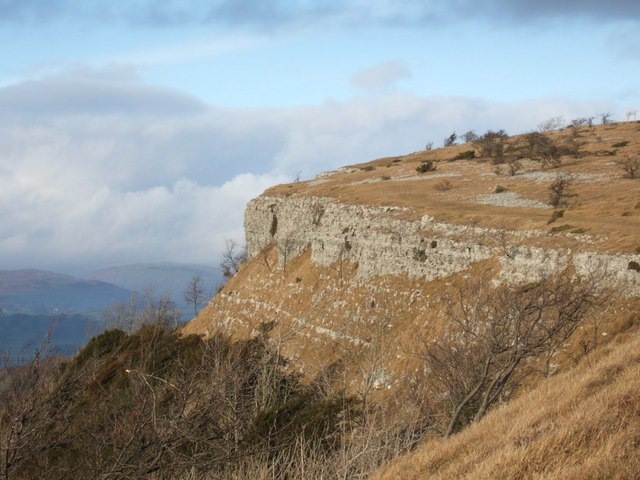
(194, 293)
(122, 316)
(631, 114)
(492, 144)
(493, 332)
(558, 191)
(233, 256)
(513, 166)
(145, 309)
(159, 311)
(369, 359)
(579, 122)
(605, 118)
(317, 212)
(543, 149)
(575, 143)
(450, 140)
(470, 137)
(553, 123)
(285, 246)
(631, 167)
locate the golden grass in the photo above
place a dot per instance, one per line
(581, 424)
(603, 204)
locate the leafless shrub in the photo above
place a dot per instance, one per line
(558, 191)
(470, 137)
(494, 332)
(575, 143)
(426, 166)
(26, 416)
(631, 167)
(317, 212)
(579, 122)
(122, 316)
(513, 166)
(450, 140)
(443, 186)
(605, 118)
(147, 308)
(194, 293)
(160, 311)
(492, 145)
(544, 149)
(152, 404)
(501, 241)
(233, 256)
(553, 123)
(286, 248)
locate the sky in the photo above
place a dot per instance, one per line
(136, 131)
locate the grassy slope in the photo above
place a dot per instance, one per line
(584, 423)
(307, 297)
(603, 204)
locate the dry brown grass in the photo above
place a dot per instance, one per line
(584, 423)
(598, 205)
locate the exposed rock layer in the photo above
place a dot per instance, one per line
(379, 241)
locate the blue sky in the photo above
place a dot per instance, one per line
(136, 131)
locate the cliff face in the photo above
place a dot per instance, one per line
(378, 241)
(361, 256)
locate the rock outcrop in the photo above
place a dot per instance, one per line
(380, 242)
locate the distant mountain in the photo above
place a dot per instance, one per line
(35, 304)
(160, 279)
(21, 334)
(33, 301)
(47, 293)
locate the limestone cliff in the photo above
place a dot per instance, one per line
(380, 242)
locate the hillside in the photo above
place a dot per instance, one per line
(41, 292)
(398, 279)
(36, 304)
(583, 423)
(339, 260)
